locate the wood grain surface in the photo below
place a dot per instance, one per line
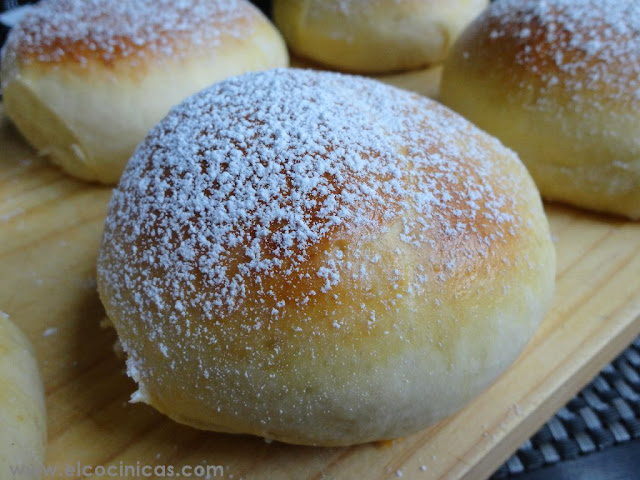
(50, 229)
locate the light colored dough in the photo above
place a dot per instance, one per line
(321, 259)
(374, 36)
(424, 81)
(89, 104)
(567, 100)
(23, 427)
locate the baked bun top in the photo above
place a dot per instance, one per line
(259, 198)
(108, 31)
(562, 47)
(374, 36)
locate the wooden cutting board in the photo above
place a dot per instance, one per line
(50, 229)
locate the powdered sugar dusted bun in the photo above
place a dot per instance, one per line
(321, 259)
(84, 80)
(374, 36)
(559, 82)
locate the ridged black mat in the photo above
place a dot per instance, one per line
(604, 414)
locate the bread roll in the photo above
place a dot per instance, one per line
(321, 259)
(374, 36)
(424, 81)
(23, 425)
(559, 82)
(84, 80)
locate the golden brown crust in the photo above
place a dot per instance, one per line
(543, 53)
(79, 32)
(559, 82)
(85, 80)
(460, 231)
(304, 241)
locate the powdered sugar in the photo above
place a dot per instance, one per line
(264, 193)
(575, 45)
(78, 30)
